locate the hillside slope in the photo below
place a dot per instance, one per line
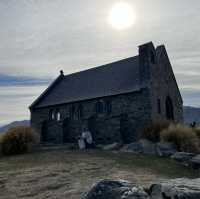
(14, 124)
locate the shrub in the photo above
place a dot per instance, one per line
(1, 136)
(197, 131)
(183, 137)
(18, 140)
(152, 132)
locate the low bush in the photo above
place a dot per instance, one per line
(18, 140)
(1, 136)
(183, 137)
(197, 132)
(152, 132)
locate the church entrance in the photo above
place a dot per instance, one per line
(125, 128)
(169, 109)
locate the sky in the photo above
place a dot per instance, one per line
(39, 38)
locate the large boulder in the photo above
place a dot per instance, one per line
(142, 146)
(176, 189)
(134, 147)
(113, 146)
(148, 147)
(109, 189)
(165, 149)
(195, 162)
(183, 157)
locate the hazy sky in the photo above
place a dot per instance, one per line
(40, 37)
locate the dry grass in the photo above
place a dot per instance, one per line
(183, 137)
(18, 140)
(1, 137)
(197, 131)
(68, 174)
(152, 132)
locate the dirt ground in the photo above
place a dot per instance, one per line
(68, 174)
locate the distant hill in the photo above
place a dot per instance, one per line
(191, 114)
(14, 124)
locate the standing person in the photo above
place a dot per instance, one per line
(87, 136)
(81, 143)
(193, 124)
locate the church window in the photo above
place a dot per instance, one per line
(159, 106)
(58, 115)
(169, 108)
(80, 112)
(51, 115)
(99, 107)
(108, 107)
(72, 112)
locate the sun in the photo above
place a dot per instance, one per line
(122, 16)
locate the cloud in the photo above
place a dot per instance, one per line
(15, 100)
(6, 80)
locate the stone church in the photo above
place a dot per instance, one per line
(114, 101)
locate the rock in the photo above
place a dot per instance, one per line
(165, 149)
(176, 189)
(134, 147)
(195, 162)
(109, 189)
(142, 146)
(113, 146)
(148, 147)
(182, 156)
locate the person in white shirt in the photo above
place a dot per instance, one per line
(87, 136)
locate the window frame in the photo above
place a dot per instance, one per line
(159, 106)
(80, 112)
(99, 107)
(58, 115)
(108, 107)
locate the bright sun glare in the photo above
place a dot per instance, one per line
(122, 16)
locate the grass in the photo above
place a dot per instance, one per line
(67, 174)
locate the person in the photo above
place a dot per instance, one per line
(87, 137)
(81, 143)
(193, 124)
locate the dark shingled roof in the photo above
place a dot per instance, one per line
(111, 79)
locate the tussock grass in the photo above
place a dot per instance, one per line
(153, 130)
(197, 131)
(18, 140)
(182, 136)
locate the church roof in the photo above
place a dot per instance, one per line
(110, 79)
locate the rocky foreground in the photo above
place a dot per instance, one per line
(174, 189)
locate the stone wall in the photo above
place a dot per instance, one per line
(163, 85)
(130, 113)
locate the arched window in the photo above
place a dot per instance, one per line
(108, 107)
(99, 107)
(80, 112)
(71, 112)
(58, 115)
(51, 115)
(169, 109)
(159, 106)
